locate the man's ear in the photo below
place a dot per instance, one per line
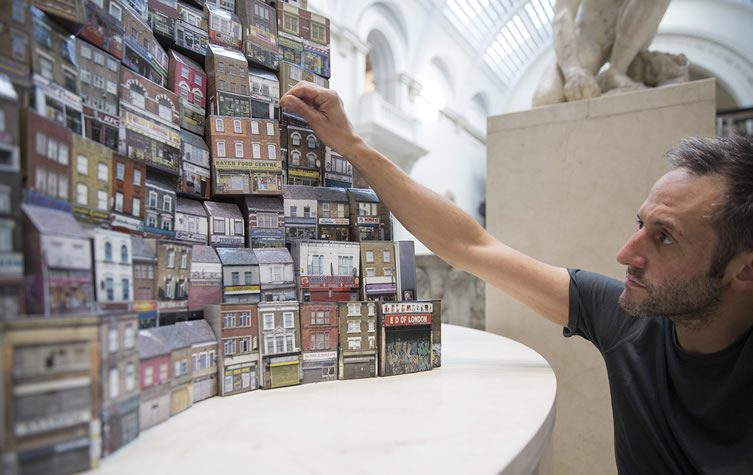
(740, 271)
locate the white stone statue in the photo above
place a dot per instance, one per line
(591, 33)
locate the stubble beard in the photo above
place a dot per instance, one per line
(691, 303)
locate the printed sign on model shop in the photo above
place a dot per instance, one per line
(410, 319)
(367, 220)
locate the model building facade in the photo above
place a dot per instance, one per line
(279, 332)
(237, 330)
(206, 280)
(113, 268)
(319, 341)
(240, 275)
(300, 206)
(304, 153)
(195, 177)
(224, 27)
(259, 33)
(358, 340)
(405, 334)
(203, 358)
(191, 222)
(226, 228)
(265, 93)
(338, 172)
(265, 218)
(326, 271)
(186, 78)
(378, 273)
(155, 376)
(100, 75)
(159, 214)
(128, 193)
(91, 180)
(57, 91)
(227, 71)
(334, 214)
(190, 30)
(276, 274)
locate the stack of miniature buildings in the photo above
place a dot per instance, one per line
(188, 238)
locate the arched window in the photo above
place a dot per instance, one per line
(124, 253)
(311, 141)
(197, 97)
(295, 139)
(184, 90)
(311, 158)
(108, 251)
(295, 157)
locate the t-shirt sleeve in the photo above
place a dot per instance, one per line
(594, 311)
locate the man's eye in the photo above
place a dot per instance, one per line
(665, 238)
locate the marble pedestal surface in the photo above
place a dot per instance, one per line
(489, 409)
(564, 184)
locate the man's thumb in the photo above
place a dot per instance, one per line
(297, 106)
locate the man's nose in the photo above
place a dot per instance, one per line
(631, 254)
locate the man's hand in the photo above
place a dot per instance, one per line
(580, 84)
(324, 112)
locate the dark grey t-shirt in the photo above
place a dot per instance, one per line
(674, 412)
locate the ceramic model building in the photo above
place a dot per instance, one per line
(259, 32)
(304, 153)
(15, 42)
(338, 172)
(265, 218)
(405, 264)
(319, 341)
(195, 175)
(159, 214)
(191, 222)
(265, 93)
(370, 221)
(304, 38)
(237, 330)
(300, 206)
(46, 151)
(326, 271)
(144, 264)
(436, 334)
(203, 358)
(266, 160)
(226, 227)
(57, 91)
(150, 116)
(172, 276)
(90, 181)
(334, 214)
(51, 422)
(405, 337)
(181, 388)
(276, 274)
(128, 194)
(240, 275)
(162, 17)
(378, 274)
(191, 30)
(280, 344)
(227, 88)
(290, 74)
(155, 379)
(11, 239)
(118, 380)
(102, 26)
(224, 27)
(186, 78)
(57, 263)
(205, 287)
(137, 42)
(358, 340)
(99, 73)
(113, 268)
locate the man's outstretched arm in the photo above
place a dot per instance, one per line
(445, 229)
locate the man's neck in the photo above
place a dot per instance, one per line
(715, 332)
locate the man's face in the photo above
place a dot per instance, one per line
(668, 257)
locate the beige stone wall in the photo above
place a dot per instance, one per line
(564, 184)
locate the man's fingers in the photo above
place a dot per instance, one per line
(292, 103)
(307, 91)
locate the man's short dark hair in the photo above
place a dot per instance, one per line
(732, 158)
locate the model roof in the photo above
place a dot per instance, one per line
(217, 50)
(141, 250)
(299, 192)
(188, 206)
(263, 203)
(363, 194)
(197, 331)
(223, 210)
(262, 73)
(331, 194)
(273, 255)
(53, 221)
(173, 336)
(204, 254)
(6, 88)
(237, 256)
(193, 139)
(187, 61)
(150, 345)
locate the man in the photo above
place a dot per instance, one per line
(675, 335)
